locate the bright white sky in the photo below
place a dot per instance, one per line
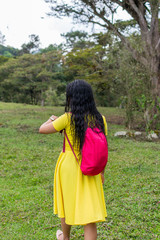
(21, 18)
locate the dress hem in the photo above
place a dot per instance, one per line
(82, 223)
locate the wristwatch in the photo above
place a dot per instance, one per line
(52, 118)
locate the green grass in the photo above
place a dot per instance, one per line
(27, 162)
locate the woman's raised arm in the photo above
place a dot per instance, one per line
(47, 127)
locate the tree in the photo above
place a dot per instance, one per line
(32, 46)
(144, 20)
(27, 77)
(89, 64)
(50, 48)
(89, 61)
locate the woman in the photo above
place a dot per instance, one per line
(78, 199)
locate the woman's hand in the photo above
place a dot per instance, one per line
(102, 177)
(53, 117)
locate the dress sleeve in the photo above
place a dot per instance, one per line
(105, 125)
(61, 122)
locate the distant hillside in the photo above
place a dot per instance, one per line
(8, 51)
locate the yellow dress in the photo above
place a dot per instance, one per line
(77, 198)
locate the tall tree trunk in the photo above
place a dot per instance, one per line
(155, 77)
(155, 90)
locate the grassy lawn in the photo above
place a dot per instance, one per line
(27, 162)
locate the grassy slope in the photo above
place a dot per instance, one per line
(28, 160)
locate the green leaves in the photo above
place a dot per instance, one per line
(26, 77)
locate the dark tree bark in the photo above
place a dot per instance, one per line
(143, 12)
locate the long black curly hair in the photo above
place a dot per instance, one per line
(80, 102)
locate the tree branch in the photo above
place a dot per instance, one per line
(142, 21)
(125, 41)
(89, 10)
(126, 6)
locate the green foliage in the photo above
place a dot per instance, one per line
(77, 40)
(134, 84)
(27, 170)
(50, 48)
(103, 39)
(146, 106)
(3, 59)
(55, 98)
(8, 51)
(26, 78)
(125, 25)
(7, 54)
(91, 64)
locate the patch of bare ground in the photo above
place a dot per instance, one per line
(115, 119)
(137, 124)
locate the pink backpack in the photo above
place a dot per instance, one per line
(94, 152)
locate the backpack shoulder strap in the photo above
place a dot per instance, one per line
(65, 135)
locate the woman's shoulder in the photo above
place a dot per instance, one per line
(61, 122)
(66, 115)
